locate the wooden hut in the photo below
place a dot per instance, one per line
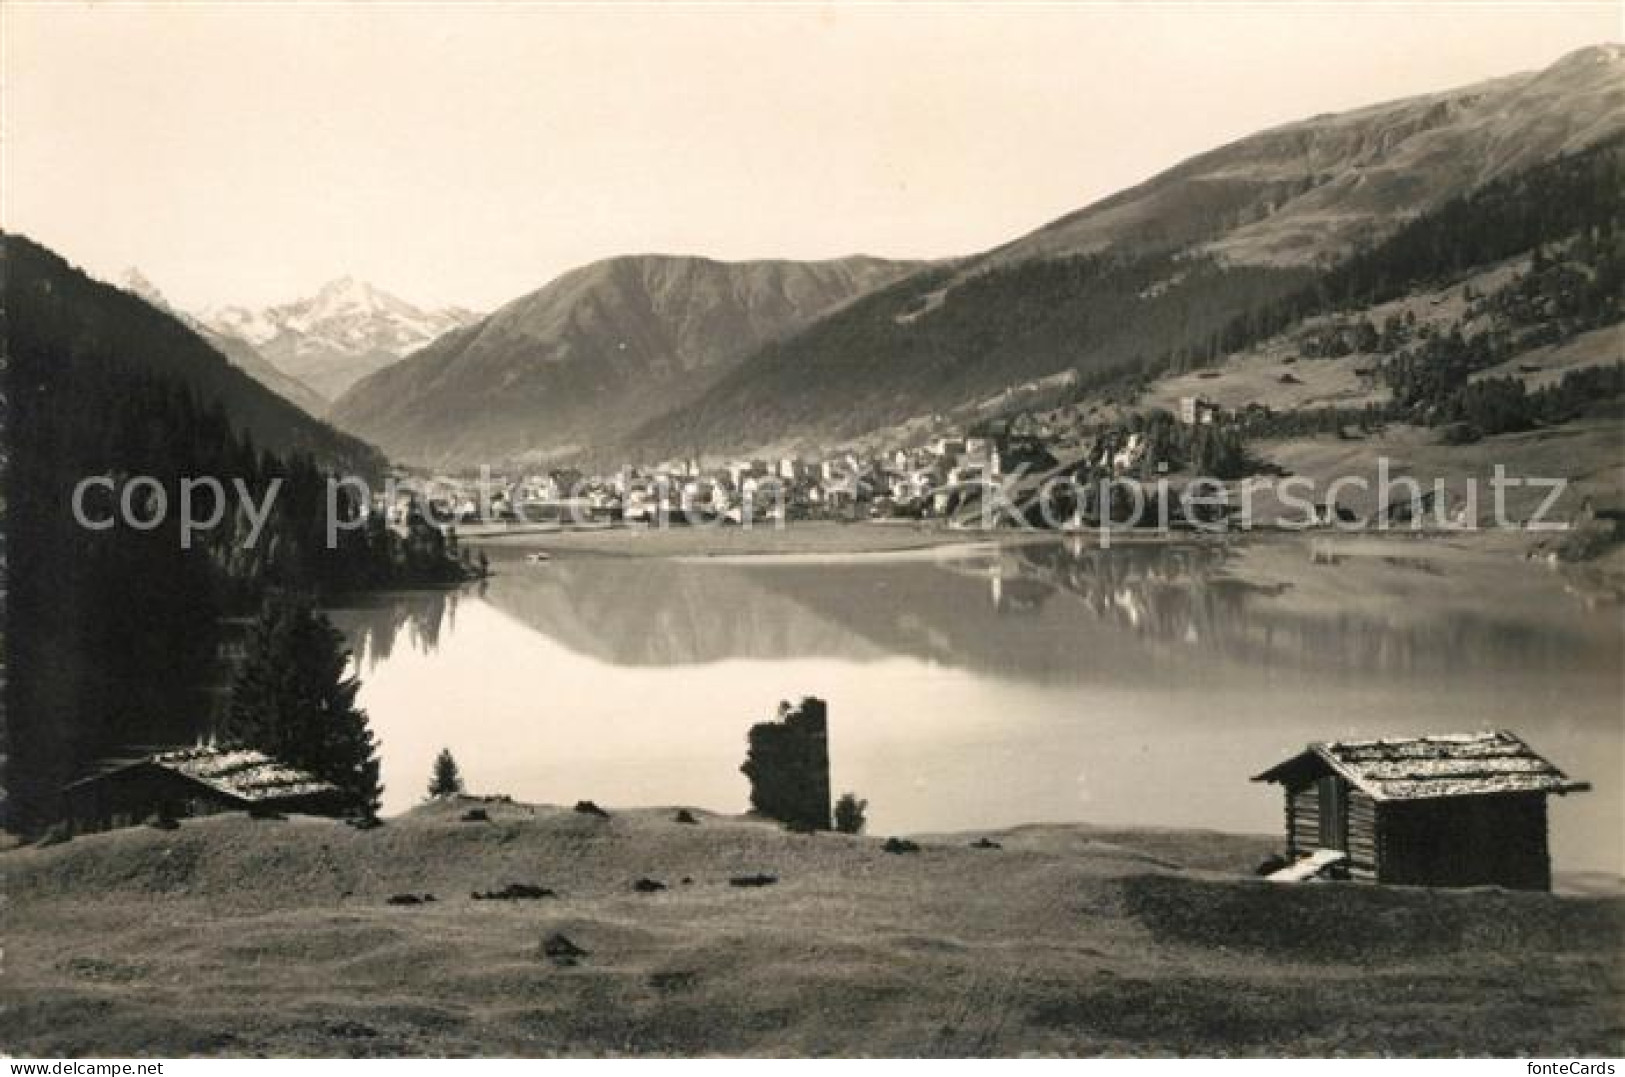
(196, 781)
(1466, 809)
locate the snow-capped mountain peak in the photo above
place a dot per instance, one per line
(251, 325)
(231, 343)
(345, 330)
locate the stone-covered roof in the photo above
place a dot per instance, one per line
(1438, 765)
(243, 773)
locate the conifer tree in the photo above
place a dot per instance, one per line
(293, 700)
(850, 814)
(446, 780)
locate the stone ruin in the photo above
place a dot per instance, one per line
(788, 766)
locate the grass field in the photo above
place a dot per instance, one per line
(238, 936)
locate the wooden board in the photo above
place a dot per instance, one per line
(1309, 866)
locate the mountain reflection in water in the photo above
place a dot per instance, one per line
(1042, 681)
(1045, 613)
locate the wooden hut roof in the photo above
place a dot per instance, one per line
(243, 773)
(1438, 765)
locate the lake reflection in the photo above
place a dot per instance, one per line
(1140, 685)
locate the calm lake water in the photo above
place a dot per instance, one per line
(1053, 682)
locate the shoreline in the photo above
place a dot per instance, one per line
(819, 542)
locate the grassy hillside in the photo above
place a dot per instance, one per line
(908, 350)
(262, 937)
(1498, 313)
(1316, 189)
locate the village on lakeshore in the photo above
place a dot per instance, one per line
(933, 480)
(921, 483)
(1022, 472)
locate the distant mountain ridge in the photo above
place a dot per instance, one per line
(334, 338)
(240, 352)
(1297, 193)
(1160, 268)
(581, 361)
(648, 357)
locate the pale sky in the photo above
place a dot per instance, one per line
(470, 153)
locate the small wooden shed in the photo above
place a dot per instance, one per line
(1460, 809)
(196, 781)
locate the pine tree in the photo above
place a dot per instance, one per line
(446, 780)
(850, 814)
(293, 701)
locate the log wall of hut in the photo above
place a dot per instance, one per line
(1362, 839)
(1329, 813)
(1303, 820)
(1465, 841)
